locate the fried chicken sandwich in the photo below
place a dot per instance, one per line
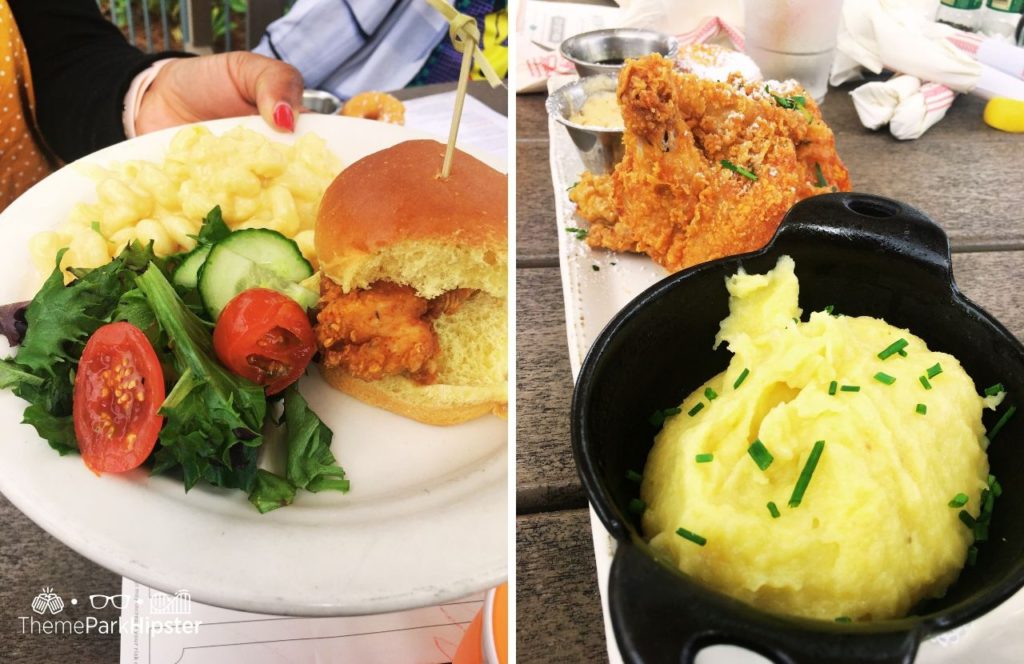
(413, 308)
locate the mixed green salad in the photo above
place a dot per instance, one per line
(185, 364)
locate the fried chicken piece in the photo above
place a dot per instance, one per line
(383, 330)
(376, 332)
(594, 196)
(674, 199)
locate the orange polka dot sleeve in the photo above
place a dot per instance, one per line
(23, 157)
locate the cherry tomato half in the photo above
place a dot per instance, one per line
(119, 388)
(266, 337)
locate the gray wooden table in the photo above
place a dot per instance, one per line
(30, 558)
(961, 173)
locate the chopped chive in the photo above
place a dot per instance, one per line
(829, 309)
(595, 268)
(693, 537)
(850, 388)
(705, 458)
(892, 349)
(710, 394)
(934, 370)
(997, 488)
(743, 377)
(633, 476)
(580, 233)
(924, 381)
(821, 181)
(993, 390)
(774, 510)
(883, 377)
(901, 352)
(1002, 422)
(739, 169)
(760, 454)
(805, 475)
(832, 388)
(959, 500)
(696, 409)
(921, 409)
(637, 506)
(972, 556)
(572, 186)
(658, 417)
(844, 619)
(988, 502)
(795, 102)
(968, 520)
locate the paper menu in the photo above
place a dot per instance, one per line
(547, 24)
(481, 128)
(173, 628)
(540, 29)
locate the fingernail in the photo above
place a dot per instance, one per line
(283, 116)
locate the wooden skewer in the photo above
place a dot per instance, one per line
(465, 36)
(460, 99)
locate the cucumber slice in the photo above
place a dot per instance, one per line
(271, 250)
(187, 274)
(225, 274)
(305, 297)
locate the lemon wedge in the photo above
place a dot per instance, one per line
(1005, 114)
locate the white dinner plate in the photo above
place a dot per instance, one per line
(424, 522)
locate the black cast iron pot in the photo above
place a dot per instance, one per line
(865, 255)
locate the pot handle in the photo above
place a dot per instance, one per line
(659, 616)
(899, 227)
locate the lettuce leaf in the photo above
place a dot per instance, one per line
(213, 418)
(213, 229)
(60, 320)
(310, 464)
(271, 491)
(210, 411)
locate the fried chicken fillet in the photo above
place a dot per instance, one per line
(672, 198)
(383, 330)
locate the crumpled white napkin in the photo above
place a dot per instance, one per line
(902, 102)
(918, 112)
(898, 35)
(902, 36)
(876, 101)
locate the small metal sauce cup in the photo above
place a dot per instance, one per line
(319, 101)
(600, 147)
(605, 51)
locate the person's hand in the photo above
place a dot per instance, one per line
(220, 86)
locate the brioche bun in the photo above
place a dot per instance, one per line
(389, 213)
(389, 217)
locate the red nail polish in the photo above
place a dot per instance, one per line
(283, 116)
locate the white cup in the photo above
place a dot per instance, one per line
(793, 39)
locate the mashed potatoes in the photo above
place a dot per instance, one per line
(873, 533)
